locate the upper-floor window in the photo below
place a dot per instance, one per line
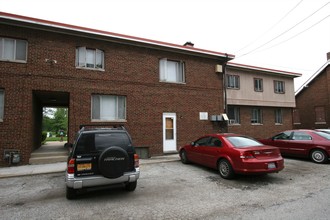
(171, 71)
(2, 104)
(278, 116)
(13, 50)
(279, 86)
(108, 107)
(256, 117)
(319, 115)
(89, 58)
(233, 115)
(258, 86)
(233, 81)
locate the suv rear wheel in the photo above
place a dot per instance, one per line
(131, 186)
(70, 193)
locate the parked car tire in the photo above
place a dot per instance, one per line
(319, 156)
(225, 169)
(113, 162)
(70, 193)
(131, 186)
(183, 156)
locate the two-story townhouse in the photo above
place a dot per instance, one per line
(313, 100)
(162, 93)
(259, 100)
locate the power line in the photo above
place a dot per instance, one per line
(296, 34)
(271, 28)
(284, 31)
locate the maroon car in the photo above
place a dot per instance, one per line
(233, 154)
(302, 143)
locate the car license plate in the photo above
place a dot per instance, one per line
(84, 166)
(271, 166)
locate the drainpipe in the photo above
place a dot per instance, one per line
(225, 91)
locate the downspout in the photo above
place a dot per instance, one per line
(225, 92)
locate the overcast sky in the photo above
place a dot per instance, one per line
(290, 35)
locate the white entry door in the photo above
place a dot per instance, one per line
(169, 132)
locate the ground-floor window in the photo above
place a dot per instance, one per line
(278, 116)
(108, 107)
(319, 115)
(234, 115)
(256, 116)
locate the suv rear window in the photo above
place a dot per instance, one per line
(97, 142)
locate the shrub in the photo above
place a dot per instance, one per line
(43, 136)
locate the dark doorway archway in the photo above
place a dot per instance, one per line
(41, 99)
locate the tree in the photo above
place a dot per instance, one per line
(55, 120)
(60, 121)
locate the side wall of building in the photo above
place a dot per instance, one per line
(315, 95)
(129, 71)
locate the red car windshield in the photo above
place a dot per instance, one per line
(242, 142)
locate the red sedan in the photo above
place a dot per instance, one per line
(311, 144)
(233, 154)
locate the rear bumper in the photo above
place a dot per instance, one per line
(260, 167)
(85, 182)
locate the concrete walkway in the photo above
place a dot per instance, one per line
(16, 171)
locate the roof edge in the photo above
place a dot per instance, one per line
(310, 79)
(281, 72)
(48, 23)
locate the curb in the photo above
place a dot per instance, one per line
(29, 170)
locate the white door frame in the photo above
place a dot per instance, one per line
(169, 136)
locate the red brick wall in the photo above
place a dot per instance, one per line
(316, 94)
(268, 128)
(129, 70)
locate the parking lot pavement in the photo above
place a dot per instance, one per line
(25, 170)
(173, 190)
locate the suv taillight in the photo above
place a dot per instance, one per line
(136, 160)
(71, 166)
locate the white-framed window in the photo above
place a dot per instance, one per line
(13, 50)
(108, 108)
(279, 87)
(258, 85)
(256, 117)
(234, 115)
(232, 81)
(171, 71)
(89, 58)
(278, 116)
(2, 103)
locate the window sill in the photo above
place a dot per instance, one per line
(180, 83)
(109, 121)
(87, 68)
(256, 124)
(320, 123)
(14, 61)
(278, 124)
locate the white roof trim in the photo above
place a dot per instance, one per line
(305, 85)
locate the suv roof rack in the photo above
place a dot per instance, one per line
(103, 126)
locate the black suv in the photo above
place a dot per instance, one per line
(100, 157)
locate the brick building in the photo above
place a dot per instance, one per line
(313, 100)
(259, 100)
(162, 93)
